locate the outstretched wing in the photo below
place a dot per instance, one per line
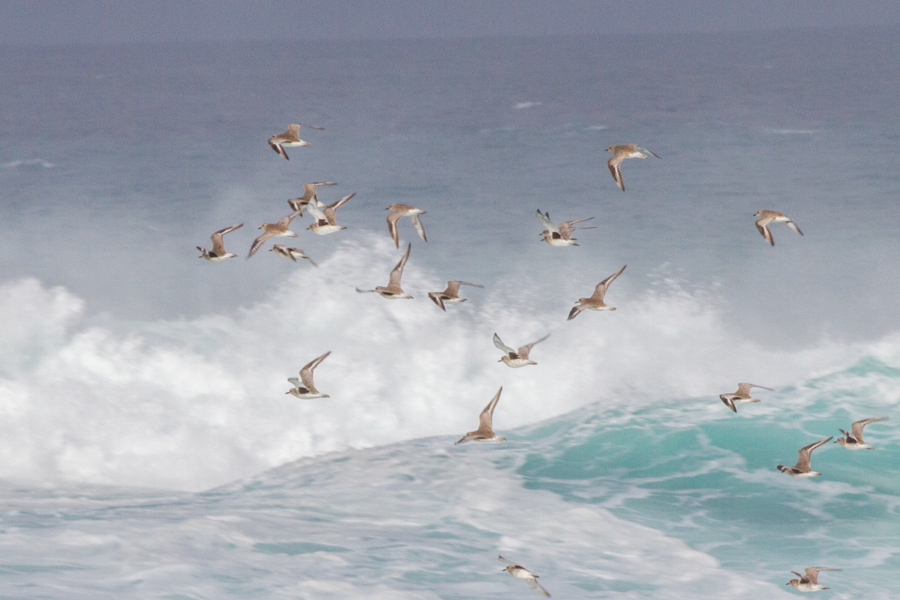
(500, 345)
(397, 272)
(600, 290)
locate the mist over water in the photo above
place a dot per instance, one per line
(143, 390)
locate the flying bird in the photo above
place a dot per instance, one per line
(516, 358)
(560, 235)
(768, 216)
(741, 396)
(324, 216)
(291, 253)
(218, 251)
(289, 138)
(304, 387)
(520, 572)
(809, 582)
(854, 439)
(279, 229)
(620, 153)
(450, 295)
(595, 302)
(485, 432)
(398, 211)
(802, 469)
(393, 291)
(310, 191)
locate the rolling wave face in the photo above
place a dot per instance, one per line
(193, 403)
(677, 499)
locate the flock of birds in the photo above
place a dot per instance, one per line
(560, 235)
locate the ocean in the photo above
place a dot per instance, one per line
(148, 448)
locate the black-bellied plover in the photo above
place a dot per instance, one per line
(291, 253)
(324, 216)
(289, 138)
(392, 290)
(809, 582)
(560, 235)
(398, 211)
(520, 572)
(620, 153)
(769, 216)
(516, 358)
(304, 387)
(485, 432)
(279, 229)
(451, 294)
(854, 439)
(218, 251)
(310, 192)
(741, 396)
(595, 302)
(802, 469)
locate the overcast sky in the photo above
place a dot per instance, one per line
(109, 21)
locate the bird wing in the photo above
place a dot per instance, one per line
(420, 229)
(259, 242)
(524, 350)
(545, 219)
(567, 227)
(486, 417)
(647, 151)
(763, 226)
(536, 586)
(574, 312)
(436, 298)
(331, 208)
(600, 289)
(306, 373)
(397, 272)
(275, 143)
(806, 451)
(614, 163)
(392, 219)
(793, 226)
(316, 211)
(501, 346)
(857, 428)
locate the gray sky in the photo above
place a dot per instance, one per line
(106, 21)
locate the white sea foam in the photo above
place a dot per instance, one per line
(191, 404)
(27, 163)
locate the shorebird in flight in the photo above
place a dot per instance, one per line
(279, 229)
(741, 396)
(768, 216)
(398, 211)
(393, 291)
(299, 203)
(620, 153)
(485, 432)
(809, 582)
(854, 439)
(218, 251)
(801, 469)
(289, 138)
(595, 302)
(520, 572)
(324, 216)
(451, 294)
(517, 358)
(291, 253)
(560, 235)
(304, 387)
